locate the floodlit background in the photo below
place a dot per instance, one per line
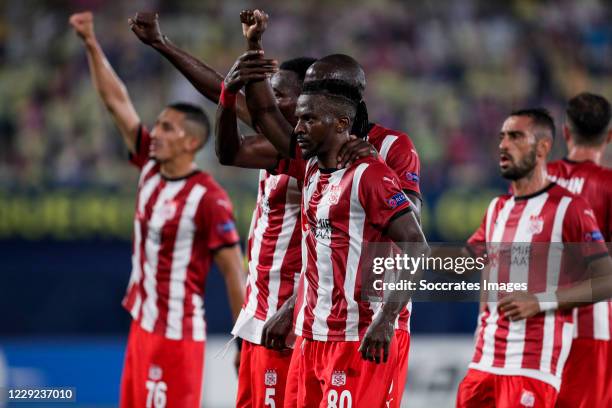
(446, 72)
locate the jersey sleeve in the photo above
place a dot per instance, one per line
(217, 221)
(381, 195)
(294, 166)
(477, 242)
(580, 226)
(143, 142)
(404, 160)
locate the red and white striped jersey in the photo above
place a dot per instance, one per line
(341, 210)
(399, 153)
(178, 225)
(591, 182)
(536, 347)
(274, 253)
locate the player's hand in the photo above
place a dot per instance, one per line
(254, 23)
(519, 306)
(250, 66)
(146, 27)
(83, 24)
(354, 149)
(277, 328)
(377, 340)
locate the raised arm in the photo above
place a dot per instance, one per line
(231, 147)
(110, 88)
(203, 77)
(259, 95)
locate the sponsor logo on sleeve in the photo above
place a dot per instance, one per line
(397, 199)
(593, 236)
(225, 227)
(410, 176)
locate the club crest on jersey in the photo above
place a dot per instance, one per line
(338, 378)
(397, 199)
(334, 195)
(536, 224)
(155, 372)
(593, 236)
(527, 399)
(168, 209)
(270, 377)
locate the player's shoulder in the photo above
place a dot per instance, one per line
(213, 189)
(374, 169)
(379, 133)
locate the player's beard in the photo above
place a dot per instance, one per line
(522, 168)
(312, 152)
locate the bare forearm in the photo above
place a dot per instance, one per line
(235, 292)
(265, 113)
(107, 83)
(227, 137)
(203, 77)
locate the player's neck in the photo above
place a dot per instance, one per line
(329, 158)
(531, 183)
(585, 153)
(173, 169)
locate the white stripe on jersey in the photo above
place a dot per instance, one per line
(181, 256)
(552, 282)
(488, 345)
(490, 211)
(325, 267)
(199, 324)
(310, 189)
(136, 274)
(520, 273)
(386, 146)
(282, 244)
(601, 320)
(260, 228)
(145, 193)
(356, 225)
(152, 245)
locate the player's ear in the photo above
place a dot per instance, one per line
(609, 138)
(567, 136)
(343, 124)
(544, 146)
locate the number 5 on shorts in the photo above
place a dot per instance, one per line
(269, 401)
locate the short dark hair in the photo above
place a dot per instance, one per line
(539, 116)
(298, 65)
(195, 114)
(588, 116)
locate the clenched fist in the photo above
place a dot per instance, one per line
(83, 24)
(146, 28)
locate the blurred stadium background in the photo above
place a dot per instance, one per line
(446, 72)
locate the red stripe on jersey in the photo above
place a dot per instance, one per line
(168, 240)
(591, 182)
(311, 263)
(144, 230)
(503, 277)
(534, 327)
(336, 322)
